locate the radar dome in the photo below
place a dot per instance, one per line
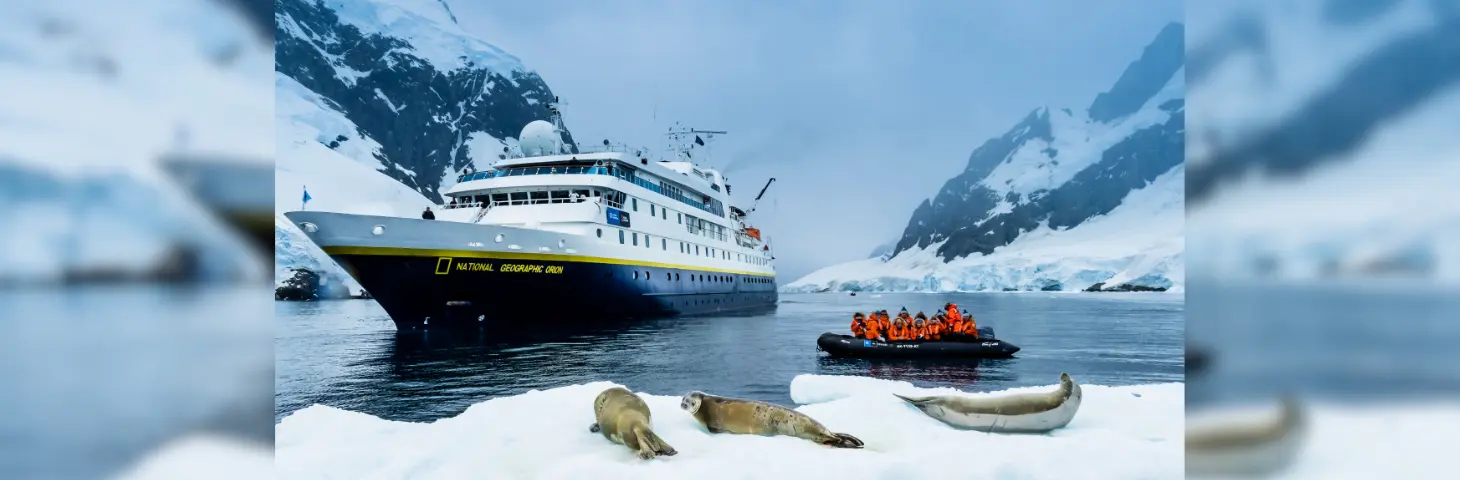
(540, 138)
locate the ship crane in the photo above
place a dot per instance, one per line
(762, 193)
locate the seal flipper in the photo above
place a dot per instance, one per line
(651, 444)
(913, 400)
(842, 440)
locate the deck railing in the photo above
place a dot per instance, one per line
(613, 172)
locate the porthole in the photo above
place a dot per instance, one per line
(668, 276)
(646, 274)
(378, 230)
(600, 233)
(676, 276)
(500, 238)
(636, 274)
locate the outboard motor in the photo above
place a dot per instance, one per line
(986, 333)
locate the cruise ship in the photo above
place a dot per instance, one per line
(550, 236)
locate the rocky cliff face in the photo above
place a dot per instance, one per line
(1060, 168)
(435, 98)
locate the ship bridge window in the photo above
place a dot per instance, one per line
(519, 198)
(538, 196)
(559, 196)
(582, 195)
(620, 237)
(635, 203)
(636, 239)
(499, 198)
(651, 210)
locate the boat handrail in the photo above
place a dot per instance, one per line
(453, 206)
(591, 170)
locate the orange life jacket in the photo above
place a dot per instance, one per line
(935, 330)
(870, 333)
(919, 332)
(898, 332)
(970, 327)
(859, 327)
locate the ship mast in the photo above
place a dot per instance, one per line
(692, 145)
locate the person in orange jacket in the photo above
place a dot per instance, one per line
(874, 325)
(859, 325)
(970, 327)
(935, 328)
(899, 330)
(919, 330)
(874, 329)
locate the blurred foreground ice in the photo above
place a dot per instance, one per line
(1120, 432)
(1323, 227)
(123, 327)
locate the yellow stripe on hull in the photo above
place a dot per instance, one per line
(547, 257)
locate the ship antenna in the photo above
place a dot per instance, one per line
(693, 144)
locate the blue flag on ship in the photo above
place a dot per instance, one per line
(306, 195)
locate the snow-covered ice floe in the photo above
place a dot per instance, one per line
(544, 434)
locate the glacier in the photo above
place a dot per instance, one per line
(544, 434)
(1141, 242)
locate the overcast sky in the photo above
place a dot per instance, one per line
(859, 109)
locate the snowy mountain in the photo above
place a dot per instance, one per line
(1065, 200)
(379, 105)
(433, 97)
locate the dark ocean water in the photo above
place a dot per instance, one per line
(1355, 342)
(347, 353)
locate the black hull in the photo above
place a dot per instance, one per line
(849, 346)
(529, 290)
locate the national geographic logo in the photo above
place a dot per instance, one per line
(446, 265)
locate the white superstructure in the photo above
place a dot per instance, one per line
(632, 207)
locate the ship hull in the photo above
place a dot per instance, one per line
(423, 285)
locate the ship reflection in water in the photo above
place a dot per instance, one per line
(348, 354)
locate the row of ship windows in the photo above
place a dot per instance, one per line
(705, 278)
(614, 198)
(685, 248)
(692, 224)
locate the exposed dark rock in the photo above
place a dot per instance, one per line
(435, 111)
(307, 285)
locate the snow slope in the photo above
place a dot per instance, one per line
(1079, 143)
(1140, 242)
(430, 30)
(343, 180)
(544, 434)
